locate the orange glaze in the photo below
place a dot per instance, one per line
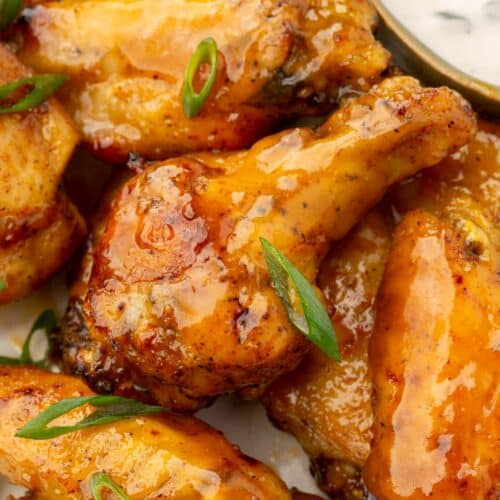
(149, 457)
(474, 172)
(127, 61)
(325, 404)
(175, 297)
(435, 358)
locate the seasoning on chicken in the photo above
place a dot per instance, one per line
(39, 226)
(127, 59)
(435, 359)
(175, 300)
(149, 457)
(308, 401)
(328, 405)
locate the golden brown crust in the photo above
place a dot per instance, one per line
(178, 299)
(325, 404)
(434, 358)
(127, 61)
(309, 401)
(39, 227)
(165, 457)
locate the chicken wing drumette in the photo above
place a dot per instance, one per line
(149, 457)
(39, 227)
(175, 299)
(127, 59)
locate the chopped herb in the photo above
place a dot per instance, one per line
(452, 16)
(3, 285)
(100, 480)
(206, 52)
(43, 87)
(109, 409)
(9, 10)
(314, 322)
(46, 321)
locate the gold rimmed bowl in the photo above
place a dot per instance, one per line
(418, 59)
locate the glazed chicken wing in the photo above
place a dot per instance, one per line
(175, 299)
(149, 457)
(39, 227)
(325, 404)
(127, 61)
(435, 360)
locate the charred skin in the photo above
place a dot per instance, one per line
(175, 298)
(39, 226)
(165, 456)
(127, 59)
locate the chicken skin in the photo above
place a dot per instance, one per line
(175, 300)
(127, 59)
(149, 457)
(434, 355)
(39, 227)
(309, 401)
(328, 405)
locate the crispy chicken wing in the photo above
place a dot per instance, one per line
(127, 60)
(327, 405)
(149, 457)
(176, 299)
(435, 360)
(317, 402)
(39, 227)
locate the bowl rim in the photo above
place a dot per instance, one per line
(487, 91)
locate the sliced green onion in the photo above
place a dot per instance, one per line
(46, 321)
(43, 87)
(100, 480)
(314, 322)
(3, 285)
(9, 10)
(109, 409)
(206, 52)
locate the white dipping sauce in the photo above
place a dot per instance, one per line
(466, 33)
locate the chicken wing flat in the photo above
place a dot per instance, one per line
(315, 402)
(175, 300)
(434, 355)
(328, 405)
(127, 61)
(149, 457)
(36, 218)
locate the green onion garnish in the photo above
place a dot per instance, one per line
(314, 323)
(9, 10)
(109, 409)
(43, 87)
(46, 321)
(100, 480)
(206, 52)
(3, 285)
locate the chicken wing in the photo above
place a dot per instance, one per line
(435, 360)
(327, 411)
(327, 405)
(127, 61)
(149, 457)
(177, 300)
(36, 218)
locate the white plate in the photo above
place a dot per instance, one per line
(244, 423)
